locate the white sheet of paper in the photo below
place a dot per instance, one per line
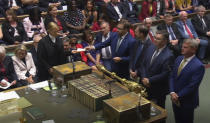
(80, 50)
(39, 85)
(8, 95)
(8, 84)
(48, 121)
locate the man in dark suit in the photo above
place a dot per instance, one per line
(10, 4)
(115, 11)
(106, 54)
(50, 52)
(205, 3)
(155, 69)
(187, 30)
(201, 24)
(7, 72)
(131, 10)
(121, 43)
(175, 38)
(138, 51)
(185, 79)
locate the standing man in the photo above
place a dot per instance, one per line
(185, 79)
(106, 53)
(138, 51)
(155, 69)
(121, 43)
(148, 24)
(187, 30)
(50, 52)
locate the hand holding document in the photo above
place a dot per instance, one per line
(6, 83)
(80, 50)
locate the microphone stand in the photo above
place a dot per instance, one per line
(73, 67)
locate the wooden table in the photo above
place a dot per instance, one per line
(68, 110)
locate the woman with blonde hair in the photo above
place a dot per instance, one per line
(24, 66)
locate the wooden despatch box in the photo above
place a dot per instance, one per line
(123, 109)
(65, 72)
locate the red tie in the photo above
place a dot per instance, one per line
(188, 31)
(151, 36)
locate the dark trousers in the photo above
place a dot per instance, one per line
(183, 115)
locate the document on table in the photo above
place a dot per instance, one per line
(8, 95)
(39, 85)
(8, 84)
(48, 121)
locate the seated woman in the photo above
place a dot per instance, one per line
(7, 72)
(13, 30)
(24, 66)
(149, 9)
(91, 14)
(184, 5)
(93, 56)
(34, 23)
(52, 16)
(74, 18)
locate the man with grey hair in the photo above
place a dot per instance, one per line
(7, 72)
(187, 30)
(202, 24)
(184, 82)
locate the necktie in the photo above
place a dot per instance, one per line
(10, 3)
(118, 44)
(203, 22)
(154, 56)
(151, 36)
(130, 6)
(171, 33)
(108, 52)
(188, 30)
(181, 66)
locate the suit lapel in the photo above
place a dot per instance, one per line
(122, 45)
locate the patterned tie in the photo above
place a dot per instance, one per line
(151, 36)
(155, 55)
(188, 31)
(181, 66)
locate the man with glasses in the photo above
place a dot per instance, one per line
(121, 43)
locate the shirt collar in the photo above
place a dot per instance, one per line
(124, 35)
(52, 38)
(190, 58)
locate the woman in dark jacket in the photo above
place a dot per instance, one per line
(13, 30)
(52, 16)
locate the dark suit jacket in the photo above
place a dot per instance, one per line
(197, 23)
(49, 54)
(187, 83)
(49, 19)
(113, 14)
(8, 32)
(145, 10)
(140, 55)
(157, 72)
(5, 6)
(34, 55)
(129, 13)
(190, 26)
(177, 48)
(205, 3)
(10, 72)
(121, 68)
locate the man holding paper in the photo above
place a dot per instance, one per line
(8, 76)
(184, 82)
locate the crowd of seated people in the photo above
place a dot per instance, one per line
(129, 52)
(145, 54)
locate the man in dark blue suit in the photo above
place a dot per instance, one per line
(115, 11)
(139, 49)
(155, 68)
(121, 43)
(187, 30)
(185, 79)
(106, 54)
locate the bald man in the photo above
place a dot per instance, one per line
(187, 31)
